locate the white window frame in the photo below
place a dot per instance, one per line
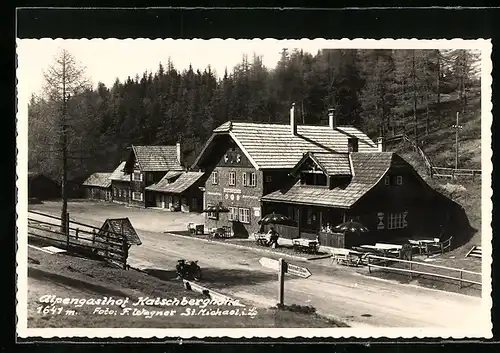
(134, 196)
(395, 220)
(215, 177)
(212, 215)
(253, 179)
(149, 177)
(399, 180)
(233, 213)
(244, 215)
(134, 176)
(194, 203)
(387, 180)
(115, 192)
(232, 178)
(245, 179)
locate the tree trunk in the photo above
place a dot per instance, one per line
(438, 84)
(414, 74)
(64, 179)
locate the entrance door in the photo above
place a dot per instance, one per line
(158, 200)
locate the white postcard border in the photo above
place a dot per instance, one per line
(483, 330)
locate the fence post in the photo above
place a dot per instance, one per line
(460, 283)
(411, 274)
(93, 236)
(76, 233)
(368, 264)
(125, 253)
(67, 229)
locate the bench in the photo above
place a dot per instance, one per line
(305, 245)
(348, 257)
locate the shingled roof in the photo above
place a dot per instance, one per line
(274, 146)
(98, 180)
(118, 174)
(156, 158)
(180, 185)
(330, 163)
(121, 226)
(368, 170)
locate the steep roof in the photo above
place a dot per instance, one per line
(156, 158)
(98, 179)
(180, 185)
(368, 170)
(274, 146)
(117, 225)
(118, 174)
(330, 163)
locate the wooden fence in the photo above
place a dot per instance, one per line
(79, 237)
(413, 268)
(453, 174)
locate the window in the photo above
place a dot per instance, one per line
(399, 180)
(233, 213)
(249, 179)
(269, 178)
(396, 220)
(352, 145)
(137, 176)
(149, 177)
(309, 215)
(387, 180)
(137, 196)
(244, 215)
(194, 203)
(115, 192)
(212, 215)
(232, 178)
(215, 177)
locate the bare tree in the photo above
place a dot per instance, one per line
(63, 79)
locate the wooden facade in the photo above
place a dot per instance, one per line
(42, 187)
(98, 187)
(399, 204)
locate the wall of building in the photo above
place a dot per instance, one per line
(98, 193)
(120, 191)
(237, 196)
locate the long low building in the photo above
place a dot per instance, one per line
(98, 187)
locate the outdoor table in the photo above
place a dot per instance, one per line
(262, 238)
(305, 245)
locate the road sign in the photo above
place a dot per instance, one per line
(298, 271)
(269, 263)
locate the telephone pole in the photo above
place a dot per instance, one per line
(456, 127)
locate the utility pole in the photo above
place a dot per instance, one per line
(456, 127)
(64, 147)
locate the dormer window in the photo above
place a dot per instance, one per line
(313, 178)
(352, 144)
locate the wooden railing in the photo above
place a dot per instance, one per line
(440, 172)
(373, 261)
(110, 246)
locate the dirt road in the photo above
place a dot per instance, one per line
(344, 295)
(336, 292)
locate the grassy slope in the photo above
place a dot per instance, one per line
(72, 276)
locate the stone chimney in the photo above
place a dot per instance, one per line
(179, 153)
(332, 121)
(380, 144)
(293, 122)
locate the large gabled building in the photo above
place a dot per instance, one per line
(147, 165)
(246, 161)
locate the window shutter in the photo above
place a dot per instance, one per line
(380, 224)
(245, 179)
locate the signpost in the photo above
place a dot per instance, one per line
(283, 267)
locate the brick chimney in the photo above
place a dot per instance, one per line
(380, 144)
(332, 121)
(293, 122)
(179, 153)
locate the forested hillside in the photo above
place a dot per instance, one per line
(383, 92)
